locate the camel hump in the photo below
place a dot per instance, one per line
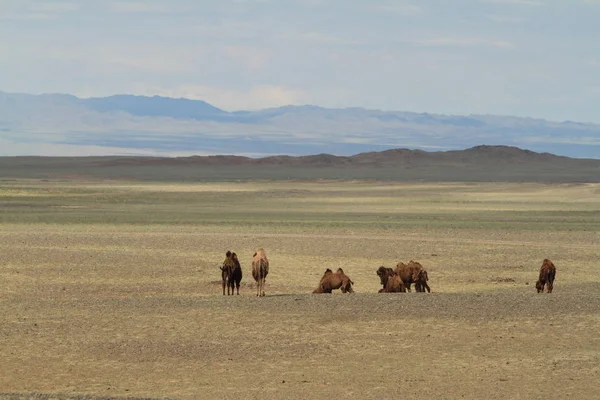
(260, 254)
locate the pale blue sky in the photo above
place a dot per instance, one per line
(537, 58)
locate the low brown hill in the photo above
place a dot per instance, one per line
(480, 163)
(393, 157)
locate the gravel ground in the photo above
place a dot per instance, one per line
(114, 292)
(513, 343)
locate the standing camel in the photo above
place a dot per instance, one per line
(231, 273)
(260, 270)
(547, 275)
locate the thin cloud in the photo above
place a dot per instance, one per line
(387, 54)
(257, 97)
(250, 57)
(25, 16)
(517, 2)
(36, 11)
(320, 38)
(118, 57)
(462, 42)
(404, 9)
(54, 7)
(139, 7)
(505, 19)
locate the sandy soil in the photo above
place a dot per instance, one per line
(504, 344)
(101, 310)
(103, 324)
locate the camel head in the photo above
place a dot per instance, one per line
(384, 274)
(347, 285)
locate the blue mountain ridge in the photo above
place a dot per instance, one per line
(174, 125)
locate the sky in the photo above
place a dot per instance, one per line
(537, 58)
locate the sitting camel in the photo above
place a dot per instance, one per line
(390, 281)
(334, 280)
(410, 273)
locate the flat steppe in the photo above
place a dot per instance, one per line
(111, 289)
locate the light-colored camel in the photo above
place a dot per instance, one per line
(260, 270)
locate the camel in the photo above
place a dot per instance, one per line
(390, 280)
(393, 285)
(409, 273)
(260, 270)
(231, 273)
(547, 275)
(420, 276)
(421, 282)
(334, 280)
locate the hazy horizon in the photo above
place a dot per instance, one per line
(522, 73)
(208, 101)
(58, 124)
(526, 58)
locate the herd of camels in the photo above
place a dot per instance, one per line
(392, 280)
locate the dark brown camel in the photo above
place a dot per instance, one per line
(231, 273)
(546, 278)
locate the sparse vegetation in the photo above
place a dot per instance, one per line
(113, 288)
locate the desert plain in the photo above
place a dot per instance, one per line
(112, 289)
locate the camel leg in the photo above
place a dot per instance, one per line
(544, 286)
(550, 286)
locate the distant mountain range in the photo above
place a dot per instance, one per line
(62, 125)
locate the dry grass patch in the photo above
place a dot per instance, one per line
(124, 298)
